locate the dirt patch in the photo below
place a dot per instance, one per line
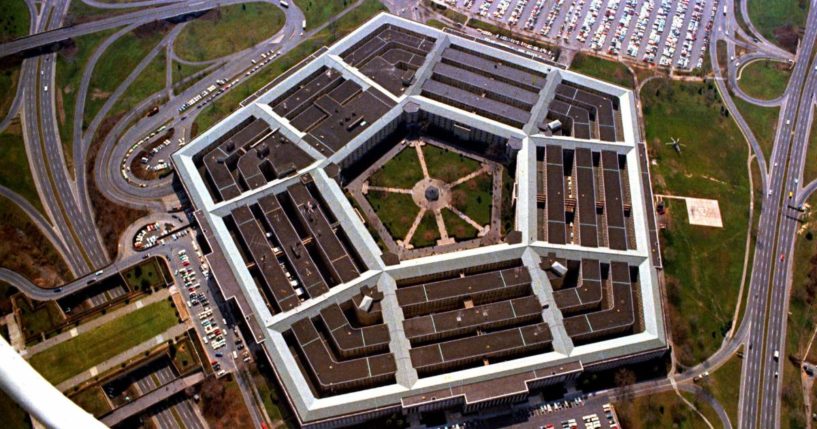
(150, 29)
(787, 36)
(111, 219)
(25, 250)
(221, 405)
(97, 94)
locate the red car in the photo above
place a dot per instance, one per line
(782, 256)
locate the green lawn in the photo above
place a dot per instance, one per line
(116, 64)
(93, 401)
(228, 29)
(184, 356)
(13, 20)
(317, 12)
(810, 165)
(446, 165)
(600, 68)
(474, 198)
(396, 211)
(703, 264)
(762, 121)
(145, 275)
(38, 318)
(9, 75)
(765, 79)
(436, 24)
(226, 104)
(659, 410)
(15, 173)
(14, 417)
(70, 65)
(802, 319)
(402, 171)
(181, 72)
(458, 228)
(150, 81)
(69, 358)
(779, 21)
(723, 385)
(427, 232)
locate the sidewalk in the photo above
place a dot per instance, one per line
(101, 320)
(123, 357)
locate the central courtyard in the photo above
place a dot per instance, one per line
(424, 195)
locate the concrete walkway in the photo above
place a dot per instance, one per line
(99, 321)
(121, 358)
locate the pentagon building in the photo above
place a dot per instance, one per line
(356, 330)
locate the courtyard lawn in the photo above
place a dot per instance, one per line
(765, 79)
(145, 275)
(703, 265)
(69, 358)
(447, 165)
(458, 228)
(427, 232)
(396, 211)
(402, 171)
(603, 69)
(93, 401)
(224, 30)
(474, 198)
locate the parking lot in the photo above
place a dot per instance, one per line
(657, 32)
(223, 344)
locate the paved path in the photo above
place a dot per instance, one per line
(99, 321)
(123, 357)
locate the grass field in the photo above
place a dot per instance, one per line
(402, 171)
(69, 358)
(802, 319)
(9, 76)
(810, 165)
(181, 72)
(446, 165)
(318, 12)
(703, 265)
(39, 317)
(93, 401)
(150, 81)
(228, 29)
(762, 121)
(723, 386)
(15, 173)
(396, 211)
(765, 79)
(14, 417)
(779, 21)
(145, 275)
(474, 198)
(13, 20)
(458, 228)
(660, 410)
(70, 64)
(427, 232)
(220, 108)
(117, 63)
(436, 24)
(23, 248)
(602, 69)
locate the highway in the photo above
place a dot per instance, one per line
(767, 306)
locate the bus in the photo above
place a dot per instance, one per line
(284, 4)
(303, 25)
